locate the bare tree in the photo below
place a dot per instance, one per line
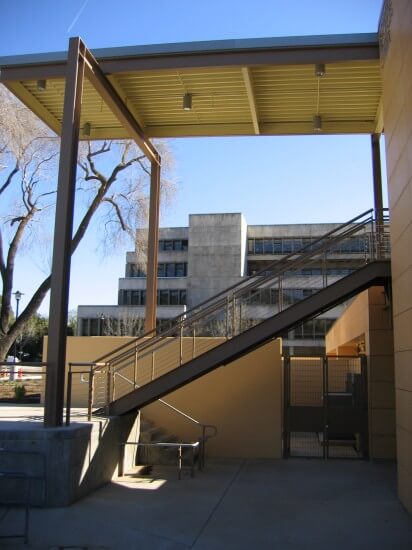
(123, 325)
(113, 185)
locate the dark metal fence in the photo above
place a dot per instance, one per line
(325, 407)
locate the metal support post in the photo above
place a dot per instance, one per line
(152, 248)
(153, 364)
(109, 387)
(233, 316)
(194, 342)
(91, 394)
(136, 358)
(377, 192)
(181, 343)
(60, 278)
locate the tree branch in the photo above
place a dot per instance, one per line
(111, 201)
(2, 264)
(9, 178)
(9, 272)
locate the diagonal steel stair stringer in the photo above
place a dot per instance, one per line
(374, 273)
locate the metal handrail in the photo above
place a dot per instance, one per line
(141, 348)
(179, 446)
(204, 427)
(286, 260)
(256, 283)
(291, 261)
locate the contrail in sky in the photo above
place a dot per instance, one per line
(77, 16)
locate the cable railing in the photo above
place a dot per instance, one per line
(241, 306)
(110, 390)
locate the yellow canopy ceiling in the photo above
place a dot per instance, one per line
(238, 98)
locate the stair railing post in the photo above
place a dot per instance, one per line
(109, 388)
(280, 291)
(113, 384)
(181, 343)
(91, 392)
(370, 249)
(227, 316)
(153, 364)
(136, 357)
(233, 316)
(194, 342)
(324, 270)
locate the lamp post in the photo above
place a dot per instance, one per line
(18, 296)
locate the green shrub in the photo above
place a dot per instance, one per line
(19, 392)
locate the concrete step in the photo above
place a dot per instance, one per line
(149, 433)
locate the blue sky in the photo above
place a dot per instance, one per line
(270, 180)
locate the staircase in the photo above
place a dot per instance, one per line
(149, 433)
(159, 363)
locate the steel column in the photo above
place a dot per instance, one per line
(152, 247)
(60, 278)
(377, 189)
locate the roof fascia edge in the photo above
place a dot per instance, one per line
(201, 48)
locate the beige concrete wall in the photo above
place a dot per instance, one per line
(243, 398)
(368, 319)
(352, 325)
(397, 116)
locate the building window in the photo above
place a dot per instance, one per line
(134, 270)
(180, 270)
(84, 327)
(164, 269)
(172, 269)
(163, 298)
(315, 329)
(167, 245)
(132, 297)
(276, 245)
(175, 297)
(94, 327)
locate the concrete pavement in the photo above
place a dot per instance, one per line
(234, 504)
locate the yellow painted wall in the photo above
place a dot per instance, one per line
(368, 319)
(397, 116)
(243, 398)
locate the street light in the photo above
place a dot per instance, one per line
(18, 296)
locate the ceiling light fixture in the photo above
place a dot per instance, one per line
(87, 128)
(317, 123)
(41, 85)
(317, 119)
(187, 102)
(320, 70)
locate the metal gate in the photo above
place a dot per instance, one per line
(325, 407)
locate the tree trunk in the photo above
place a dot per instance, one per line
(6, 341)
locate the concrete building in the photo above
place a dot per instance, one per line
(213, 253)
